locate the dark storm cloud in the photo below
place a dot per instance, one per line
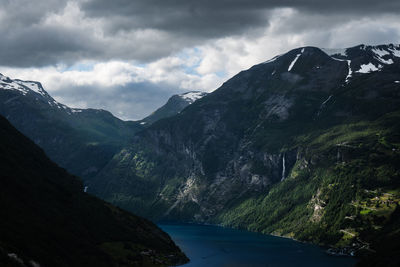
(146, 30)
(213, 18)
(27, 12)
(43, 45)
(194, 18)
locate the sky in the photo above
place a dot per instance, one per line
(130, 56)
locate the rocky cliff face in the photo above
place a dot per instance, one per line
(245, 137)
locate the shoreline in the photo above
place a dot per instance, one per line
(347, 251)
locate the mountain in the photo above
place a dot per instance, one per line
(304, 145)
(47, 219)
(80, 140)
(174, 105)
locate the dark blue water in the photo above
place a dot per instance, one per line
(217, 246)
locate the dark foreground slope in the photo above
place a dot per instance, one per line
(47, 219)
(305, 145)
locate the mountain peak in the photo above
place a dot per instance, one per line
(174, 105)
(34, 90)
(361, 59)
(192, 96)
(22, 86)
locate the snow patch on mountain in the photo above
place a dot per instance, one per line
(26, 87)
(34, 86)
(384, 61)
(294, 61)
(367, 68)
(395, 51)
(192, 96)
(272, 59)
(7, 84)
(350, 73)
(380, 52)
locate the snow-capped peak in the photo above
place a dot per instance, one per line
(192, 96)
(7, 84)
(23, 86)
(35, 88)
(369, 58)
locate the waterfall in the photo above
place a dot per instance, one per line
(338, 155)
(283, 168)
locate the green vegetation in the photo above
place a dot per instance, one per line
(348, 195)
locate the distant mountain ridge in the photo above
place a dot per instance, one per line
(80, 140)
(35, 89)
(174, 105)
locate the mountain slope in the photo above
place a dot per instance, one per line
(285, 131)
(174, 105)
(47, 220)
(80, 140)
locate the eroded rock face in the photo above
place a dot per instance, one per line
(317, 205)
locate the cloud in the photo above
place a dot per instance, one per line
(128, 91)
(48, 32)
(131, 101)
(66, 35)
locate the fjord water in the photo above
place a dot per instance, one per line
(208, 245)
